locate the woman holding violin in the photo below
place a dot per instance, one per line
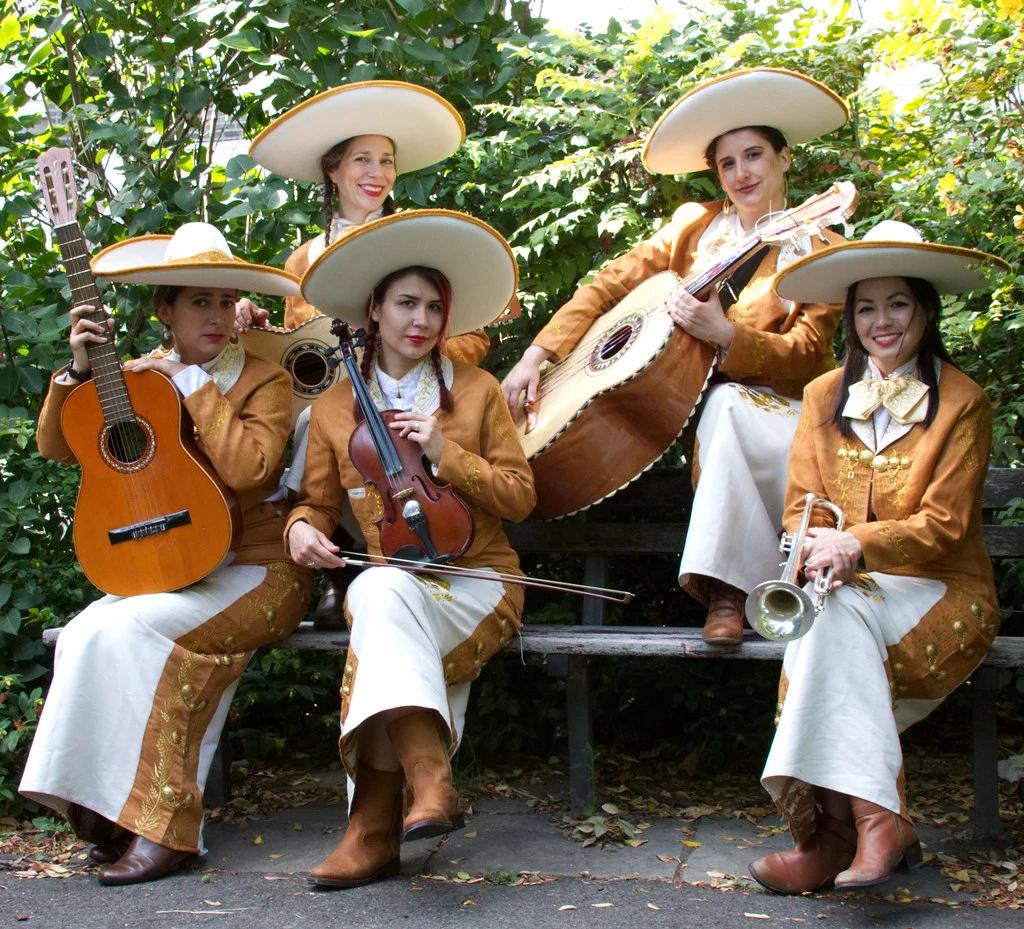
(418, 640)
(354, 139)
(899, 440)
(740, 126)
(142, 683)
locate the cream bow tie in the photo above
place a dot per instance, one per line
(903, 397)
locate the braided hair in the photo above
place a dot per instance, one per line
(444, 289)
(328, 163)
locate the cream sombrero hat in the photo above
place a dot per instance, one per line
(423, 125)
(475, 258)
(799, 107)
(890, 249)
(197, 255)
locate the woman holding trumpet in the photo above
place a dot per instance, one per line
(898, 439)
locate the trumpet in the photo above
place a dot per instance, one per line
(782, 610)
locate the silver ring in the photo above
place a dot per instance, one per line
(310, 564)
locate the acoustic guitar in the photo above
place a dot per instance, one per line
(152, 515)
(309, 353)
(619, 400)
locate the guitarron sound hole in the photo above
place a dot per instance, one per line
(128, 445)
(310, 369)
(611, 346)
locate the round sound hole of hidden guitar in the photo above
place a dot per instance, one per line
(128, 445)
(308, 366)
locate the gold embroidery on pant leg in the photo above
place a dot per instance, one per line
(440, 589)
(770, 403)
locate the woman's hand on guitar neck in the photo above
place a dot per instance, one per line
(84, 331)
(703, 319)
(249, 316)
(523, 379)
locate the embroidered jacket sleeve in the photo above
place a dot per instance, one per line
(499, 480)
(952, 496)
(49, 435)
(617, 279)
(321, 497)
(245, 446)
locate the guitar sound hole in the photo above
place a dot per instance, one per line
(128, 446)
(309, 369)
(611, 348)
(619, 339)
(126, 443)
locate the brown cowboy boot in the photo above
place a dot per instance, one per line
(110, 840)
(329, 613)
(369, 850)
(885, 842)
(435, 803)
(143, 861)
(724, 624)
(813, 864)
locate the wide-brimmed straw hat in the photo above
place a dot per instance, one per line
(475, 258)
(197, 255)
(423, 125)
(798, 106)
(890, 249)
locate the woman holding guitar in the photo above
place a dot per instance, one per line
(740, 126)
(142, 683)
(418, 640)
(355, 139)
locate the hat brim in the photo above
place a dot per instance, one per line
(827, 275)
(142, 261)
(798, 106)
(424, 126)
(475, 258)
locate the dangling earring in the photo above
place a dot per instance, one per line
(727, 209)
(234, 338)
(167, 338)
(785, 191)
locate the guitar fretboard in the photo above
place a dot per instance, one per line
(106, 369)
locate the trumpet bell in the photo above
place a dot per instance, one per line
(780, 611)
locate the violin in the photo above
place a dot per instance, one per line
(425, 521)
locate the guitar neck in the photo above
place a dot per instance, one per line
(699, 283)
(106, 369)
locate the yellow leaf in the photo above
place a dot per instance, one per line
(962, 875)
(258, 840)
(690, 843)
(948, 182)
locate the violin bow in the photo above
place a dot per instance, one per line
(359, 560)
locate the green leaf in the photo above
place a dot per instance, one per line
(242, 42)
(5, 593)
(421, 51)
(10, 30)
(95, 45)
(19, 546)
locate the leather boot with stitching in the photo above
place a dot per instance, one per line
(143, 861)
(813, 864)
(434, 809)
(369, 851)
(885, 842)
(724, 623)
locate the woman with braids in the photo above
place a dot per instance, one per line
(418, 640)
(898, 439)
(386, 128)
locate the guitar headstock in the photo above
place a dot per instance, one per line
(829, 208)
(57, 181)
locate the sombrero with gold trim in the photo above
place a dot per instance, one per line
(424, 126)
(197, 255)
(475, 258)
(798, 106)
(890, 249)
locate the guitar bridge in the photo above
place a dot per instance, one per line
(148, 527)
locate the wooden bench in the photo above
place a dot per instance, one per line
(632, 522)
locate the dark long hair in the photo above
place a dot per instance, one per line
(855, 359)
(770, 134)
(330, 160)
(444, 289)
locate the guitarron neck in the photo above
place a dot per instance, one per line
(106, 369)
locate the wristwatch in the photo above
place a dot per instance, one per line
(79, 376)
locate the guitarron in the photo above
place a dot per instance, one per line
(619, 400)
(151, 515)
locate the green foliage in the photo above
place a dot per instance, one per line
(142, 94)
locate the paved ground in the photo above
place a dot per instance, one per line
(253, 877)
